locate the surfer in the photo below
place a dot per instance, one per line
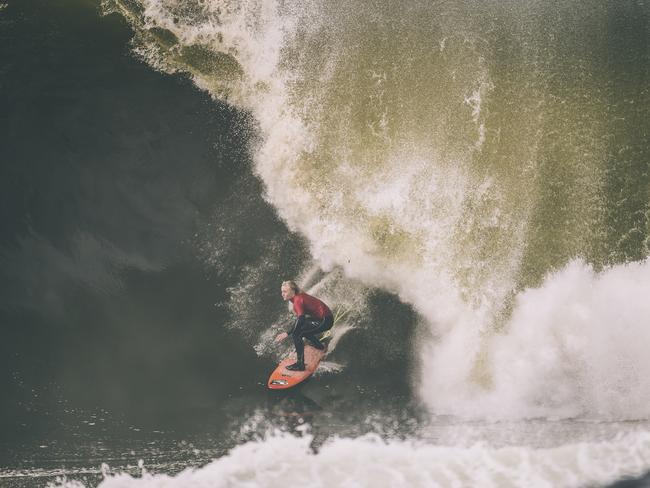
(313, 317)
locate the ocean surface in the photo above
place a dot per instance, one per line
(467, 184)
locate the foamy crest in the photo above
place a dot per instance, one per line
(575, 347)
(284, 460)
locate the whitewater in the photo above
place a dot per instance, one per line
(369, 461)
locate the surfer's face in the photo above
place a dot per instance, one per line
(287, 292)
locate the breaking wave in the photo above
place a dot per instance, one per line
(470, 159)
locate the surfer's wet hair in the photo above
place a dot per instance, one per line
(291, 284)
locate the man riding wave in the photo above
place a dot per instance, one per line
(313, 317)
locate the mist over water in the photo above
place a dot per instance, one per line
(456, 155)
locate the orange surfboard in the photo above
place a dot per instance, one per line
(282, 378)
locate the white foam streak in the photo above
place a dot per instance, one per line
(284, 460)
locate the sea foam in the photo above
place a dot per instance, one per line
(281, 460)
(575, 347)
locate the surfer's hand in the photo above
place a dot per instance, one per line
(282, 336)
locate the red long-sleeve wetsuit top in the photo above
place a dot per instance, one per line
(304, 304)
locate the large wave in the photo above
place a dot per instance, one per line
(470, 158)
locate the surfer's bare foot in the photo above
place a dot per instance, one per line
(296, 367)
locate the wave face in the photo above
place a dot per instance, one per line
(484, 161)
